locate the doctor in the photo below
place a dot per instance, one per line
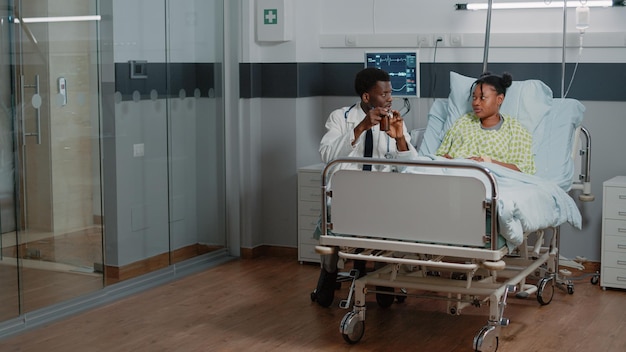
(369, 128)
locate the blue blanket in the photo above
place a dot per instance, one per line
(526, 203)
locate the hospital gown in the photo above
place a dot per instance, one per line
(511, 143)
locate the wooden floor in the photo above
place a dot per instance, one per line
(62, 269)
(264, 305)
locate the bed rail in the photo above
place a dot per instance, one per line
(584, 178)
(432, 198)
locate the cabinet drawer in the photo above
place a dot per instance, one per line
(613, 277)
(614, 244)
(615, 202)
(614, 260)
(312, 194)
(309, 208)
(306, 253)
(306, 236)
(307, 222)
(310, 179)
(615, 228)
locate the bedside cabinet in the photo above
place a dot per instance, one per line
(309, 210)
(613, 271)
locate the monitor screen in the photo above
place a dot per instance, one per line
(403, 69)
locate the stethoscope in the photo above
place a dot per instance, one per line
(388, 154)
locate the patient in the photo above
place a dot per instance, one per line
(486, 135)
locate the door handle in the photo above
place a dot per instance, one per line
(36, 105)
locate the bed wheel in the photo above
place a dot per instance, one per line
(545, 291)
(352, 327)
(384, 300)
(570, 289)
(594, 279)
(402, 297)
(486, 339)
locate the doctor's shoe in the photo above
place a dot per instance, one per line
(360, 266)
(325, 291)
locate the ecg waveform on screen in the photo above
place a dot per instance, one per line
(402, 70)
(388, 60)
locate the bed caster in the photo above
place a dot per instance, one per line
(384, 300)
(486, 339)
(401, 298)
(595, 278)
(352, 327)
(545, 291)
(570, 289)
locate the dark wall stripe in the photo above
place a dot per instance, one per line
(593, 81)
(597, 82)
(187, 76)
(295, 80)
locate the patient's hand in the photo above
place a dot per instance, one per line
(480, 158)
(447, 156)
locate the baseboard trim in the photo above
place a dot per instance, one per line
(115, 274)
(269, 251)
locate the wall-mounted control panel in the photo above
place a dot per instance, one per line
(138, 69)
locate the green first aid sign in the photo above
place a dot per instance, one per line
(270, 16)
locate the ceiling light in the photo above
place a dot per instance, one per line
(537, 4)
(58, 19)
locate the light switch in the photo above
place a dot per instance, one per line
(138, 150)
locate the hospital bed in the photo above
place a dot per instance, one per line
(465, 232)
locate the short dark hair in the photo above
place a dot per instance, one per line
(500, 83)
(367, 78)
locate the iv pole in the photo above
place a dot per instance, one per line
(563, 51)
(487, 34)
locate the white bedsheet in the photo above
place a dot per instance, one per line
(526, 203)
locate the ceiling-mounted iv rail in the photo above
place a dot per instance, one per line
(36, 101)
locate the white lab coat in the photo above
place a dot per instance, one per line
(337, 142)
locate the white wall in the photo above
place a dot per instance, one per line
(320, 28)
(533, 35)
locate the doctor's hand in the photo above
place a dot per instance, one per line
(371, 119)
(396, 131)
(396, 125)
(374, 116)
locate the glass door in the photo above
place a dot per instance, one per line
(9, 294)
(52, 217)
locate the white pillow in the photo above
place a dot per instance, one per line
(434, 129)
(553, 142)
(528, 101)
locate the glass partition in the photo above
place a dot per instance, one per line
(195, 128)
(51, 213)
(111, 143)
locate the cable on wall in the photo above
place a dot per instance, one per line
(433, 73)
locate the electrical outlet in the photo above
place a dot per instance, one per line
(456, 39)
(423, 41)
(439, 40)
(138, 150)
(350, 40)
